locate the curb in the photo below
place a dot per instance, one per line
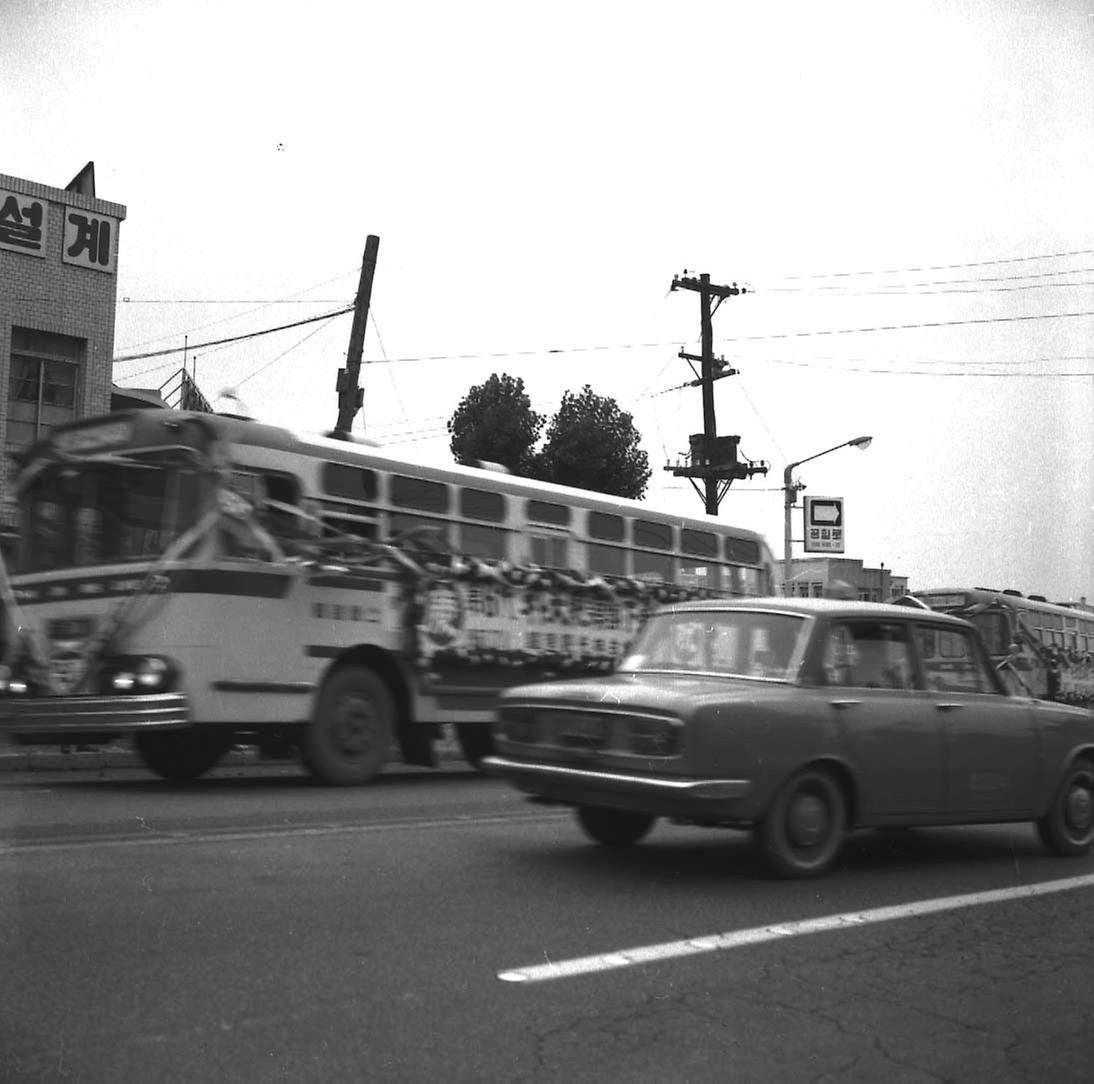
(51, 758)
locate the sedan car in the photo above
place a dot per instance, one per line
(800, 719)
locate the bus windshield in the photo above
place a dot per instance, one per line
(995, 631)
(106, 511)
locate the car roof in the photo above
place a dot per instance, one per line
(817, 607)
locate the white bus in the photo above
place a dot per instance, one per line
(1049, 645)
(198, 581)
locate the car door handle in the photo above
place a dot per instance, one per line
(845, 703)
(949, 707)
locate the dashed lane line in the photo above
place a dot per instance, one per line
(720, 942)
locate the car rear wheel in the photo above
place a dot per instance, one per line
(613, 827)
(802, 833)
(1068, 827)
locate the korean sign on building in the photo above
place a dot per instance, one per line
(89, 237)
(24, 223)
(824, 525)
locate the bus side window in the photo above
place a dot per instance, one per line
(609, 560)
(549, 551)
(654, 566)
(478, 540)
(282, 489)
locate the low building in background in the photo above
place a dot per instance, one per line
(58, 298)
(844, 577)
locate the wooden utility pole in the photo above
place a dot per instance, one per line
(350, 395)
(712, 458)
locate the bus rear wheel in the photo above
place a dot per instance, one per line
(349, 739)
(180, 755)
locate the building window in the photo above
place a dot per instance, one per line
(42, 390)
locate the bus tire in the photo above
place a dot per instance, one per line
(180, 755)
(349, 738)
(476, 741)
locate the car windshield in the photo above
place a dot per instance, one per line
(738, 643)
(107, 511)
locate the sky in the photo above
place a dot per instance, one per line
(904, 190)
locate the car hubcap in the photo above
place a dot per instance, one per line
(1079, 809)
(807, 820)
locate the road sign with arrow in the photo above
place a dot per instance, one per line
(824, 524)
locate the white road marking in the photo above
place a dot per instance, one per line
(693, 946)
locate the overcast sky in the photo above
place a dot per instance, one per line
(904, 188)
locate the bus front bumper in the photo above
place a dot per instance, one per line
(46, 716)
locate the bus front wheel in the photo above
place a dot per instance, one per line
(180, 755)
(350, 736)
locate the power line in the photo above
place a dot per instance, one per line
(234, 338)
(299, 342)
(258, 308)
(942, 267)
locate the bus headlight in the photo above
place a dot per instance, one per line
(152, 673)
(141, 674)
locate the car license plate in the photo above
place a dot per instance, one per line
(583, 732)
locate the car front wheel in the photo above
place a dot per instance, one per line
(1068, 827)
(802, 833)
(613, 827)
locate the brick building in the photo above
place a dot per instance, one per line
(58, 293)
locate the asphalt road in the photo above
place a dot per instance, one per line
(255, 927)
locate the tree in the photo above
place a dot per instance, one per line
(592, 444)
(495, 422)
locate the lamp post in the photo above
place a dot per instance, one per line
(790, 490)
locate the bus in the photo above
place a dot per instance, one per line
(200, 581)
(1049, 646)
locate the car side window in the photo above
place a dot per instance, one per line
(868, 654)
(951, 662)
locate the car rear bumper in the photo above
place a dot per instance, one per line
(660, 794)
(57, 715)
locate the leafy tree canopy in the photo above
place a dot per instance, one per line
(495, 422)
(592, 444)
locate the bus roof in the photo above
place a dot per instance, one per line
(117, 432)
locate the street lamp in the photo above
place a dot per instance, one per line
(790, 489)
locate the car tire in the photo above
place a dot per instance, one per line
(180, 756)
(1067, 828)
(802, 833)
(613, 827)
(350, 736)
